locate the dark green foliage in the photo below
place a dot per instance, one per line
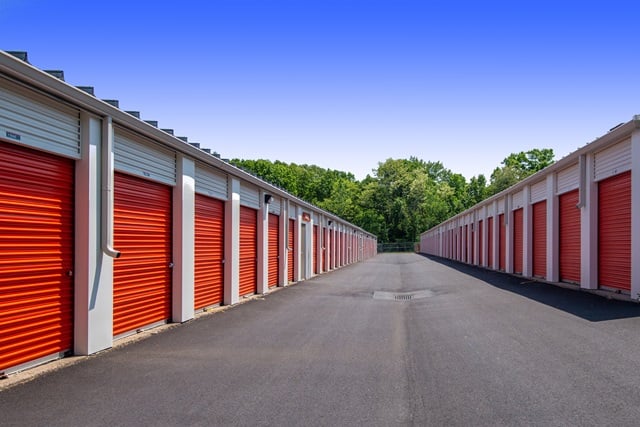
(403, 198)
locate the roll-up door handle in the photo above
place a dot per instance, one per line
(70, 273)
(170, 265)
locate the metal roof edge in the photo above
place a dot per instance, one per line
(612, 137)
(32, 76)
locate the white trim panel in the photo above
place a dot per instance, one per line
(144, 159)
(568, 179)
(211, 183)
(37, 122)
(538, 192)
(249, 196)
(612, 161)
(517, 200)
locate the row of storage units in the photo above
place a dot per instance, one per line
(577, 221)
(109, 225)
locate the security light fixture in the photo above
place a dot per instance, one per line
(267, 199)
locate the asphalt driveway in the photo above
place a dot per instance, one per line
(400, 339)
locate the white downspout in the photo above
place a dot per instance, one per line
(106, 167)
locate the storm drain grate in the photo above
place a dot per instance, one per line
(402, 296)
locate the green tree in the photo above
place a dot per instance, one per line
(518, 166)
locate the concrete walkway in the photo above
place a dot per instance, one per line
(398, 340)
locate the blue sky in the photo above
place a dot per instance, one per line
(345, 84)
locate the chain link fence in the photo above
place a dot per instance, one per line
(398, 247)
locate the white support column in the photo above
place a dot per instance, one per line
(508, 230)
(93, 271)
(232, 244)
(635, 215)
(263, 246)
(283, 250)
(589, 228)
(184, 241)
(527, 233)
(553, 230)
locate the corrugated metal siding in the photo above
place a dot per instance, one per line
(567, 179)
(209, 251)
(501, 206)
(612, 161)
(36, 255)
(275, 207)
(569, 237)
(143, 159)
(142, 233)
(614, 232)
(211, 183)
(274, 248)
(249, 196)
(37, 122)
(538, 192)
(248, 251)
(518, 236)
(293, 211)
(539, 246)
(517, 200)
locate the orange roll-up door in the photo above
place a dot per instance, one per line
(569, 237)
(248, 251)
(490, 241)
(480, 242)
(36, 255)
(142, 233)
(325, 267)
(290, 251)
(332, 249)
(614, 232)
(315, 249)
(502, 243)
(274, 249)
(518, 241)
(209, 251)
(539, 244)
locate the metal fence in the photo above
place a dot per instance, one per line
(398, 247)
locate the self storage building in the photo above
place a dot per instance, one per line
(577, 221)
(110, 225)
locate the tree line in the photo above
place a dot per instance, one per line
(403, 197)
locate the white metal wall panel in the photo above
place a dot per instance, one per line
(143, 159)
(36, 121)
(293, 212)
(568, 179)
(517, 200)
(612, 161)
(275, 207)
(249, 196)
(211, 182)
(490, 210)
(538, 192)
(501, 206)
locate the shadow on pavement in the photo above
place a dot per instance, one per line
(589, 306)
